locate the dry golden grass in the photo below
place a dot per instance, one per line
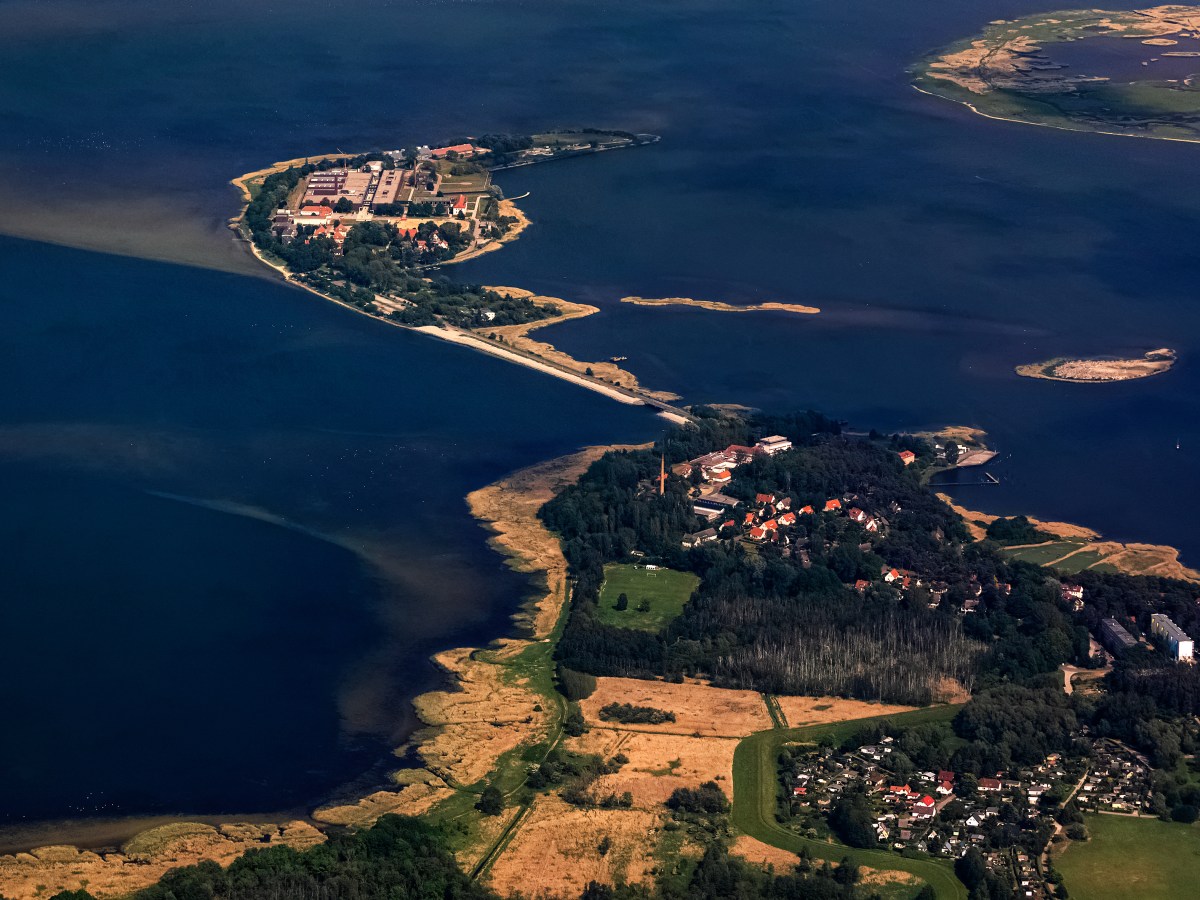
(555, 852)
(487, 714)
(755, 851)
(698, 708)
(658, 763)
(800, 711)
(1059, 529)
(419, 789)
(145, 859)
(484, 718)
(881, 877)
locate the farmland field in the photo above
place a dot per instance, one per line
(664, 589)
(1133, 859)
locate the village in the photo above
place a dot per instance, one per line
(1009, 818)
(772, 520)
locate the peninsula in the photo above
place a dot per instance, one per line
(1122, 72)
(1099, 370)
(616, 742)
(371, 232)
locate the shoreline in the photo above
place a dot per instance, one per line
(997, 118)
(1134, 558)
(482, 714)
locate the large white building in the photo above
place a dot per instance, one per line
(775, 443)
(1178, 643)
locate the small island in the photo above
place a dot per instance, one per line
(1099, 371)
(1122, 72)
(719, 306)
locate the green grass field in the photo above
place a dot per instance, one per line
(665, 589)
(1077, 563)
(1041, 554)
(1133, 859)
(756, 790)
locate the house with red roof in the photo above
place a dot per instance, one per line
(907, 457)
(787, 519)
(857, 515)
(757, 533)
(718, 476)
(764, 498)
(770, 525)
(460, 149)
(833, 505)
(749, 520)
(806, 510)
(459, 206)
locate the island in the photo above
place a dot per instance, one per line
(719, 306)
(1100, 370)
(1124, 72)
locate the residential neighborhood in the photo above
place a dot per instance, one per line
(1008, 817)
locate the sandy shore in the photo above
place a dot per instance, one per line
(1129, 559)
(470, 340)
(719, 306)
(604, 371)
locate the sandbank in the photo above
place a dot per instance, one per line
(719, 306)
(1100, 371)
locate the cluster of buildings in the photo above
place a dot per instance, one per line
(940, 814)
(716, 468)
(331, 197)
(1119, 780)
(1171, 639)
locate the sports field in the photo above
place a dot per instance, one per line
(1133, 859)
(665, 590)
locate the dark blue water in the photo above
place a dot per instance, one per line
(234, 531)
(266, 491)
(1121, 59)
